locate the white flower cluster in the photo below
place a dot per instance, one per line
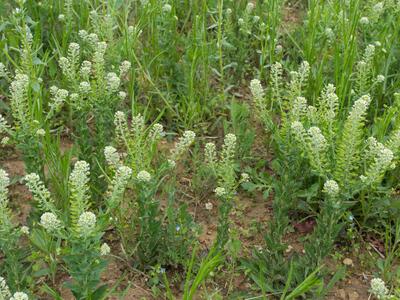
(166, 8)
(58, 98)
(25, 230)
(257, 89)
(84, 87)
(244, 177)
(143, 176)
(382, 161)
(50, 222)
(329, 102)
(299, 78)
(157, 132)
(121, 126)
(378, 288)
(19, 296)
(298, 129)
(119, 183)
(122, 95)
(124, 68)
(394, 141)
(4, 182)
(331, 188)
(4, 289)
(317, 139)
(98, 56)
(78, 181)
(220, 191)
(40, 193)
(86, 223)
(105, 249)
(299, 108)
(92, 39)
(210, 153)
(229, 147)
(73, 51)
(359, 108)
(112, 156)
(3, 71)
(137, 124)
(113, 82)
(19, 90)
(86, 69)
(3, 124)
(183, 144)
(249, 7)
(364, 21)
(69, 64)
(79, 176)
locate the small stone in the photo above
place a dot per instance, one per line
(289, 249)
(353, 296)
(348, 262)
(341, 294)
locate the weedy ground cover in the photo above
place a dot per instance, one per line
(210, 149)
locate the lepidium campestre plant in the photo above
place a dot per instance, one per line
(95, 95)
(158, 236)
(79, 231)
(222, 167)
(331, 150)
(13, 265)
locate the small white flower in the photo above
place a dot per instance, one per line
(122, 95)
(50, 221)
(86, 222)
(378, 288)
(113, 82)
(167, 8)
(209, 206)
(331, 188)
(112, 156)
(83, 34)
(61, 17)
(329, 33)
(143, 176)
(124, 68)
(220, 191)
(105, 249)
(4, 289)
(257, 89)
(171, 163)
(183, 144)
(25, 230)
(249, 7)
(210, 153)
(364, 21)
(380, 78)
(19, 296)
(378, 8)
(245, 177)
(40, 132)
(86, 68)
(84, 87)
(5, 140)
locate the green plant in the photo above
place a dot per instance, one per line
(80, 232)
(14, 266)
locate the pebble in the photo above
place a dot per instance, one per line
(347, 262)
